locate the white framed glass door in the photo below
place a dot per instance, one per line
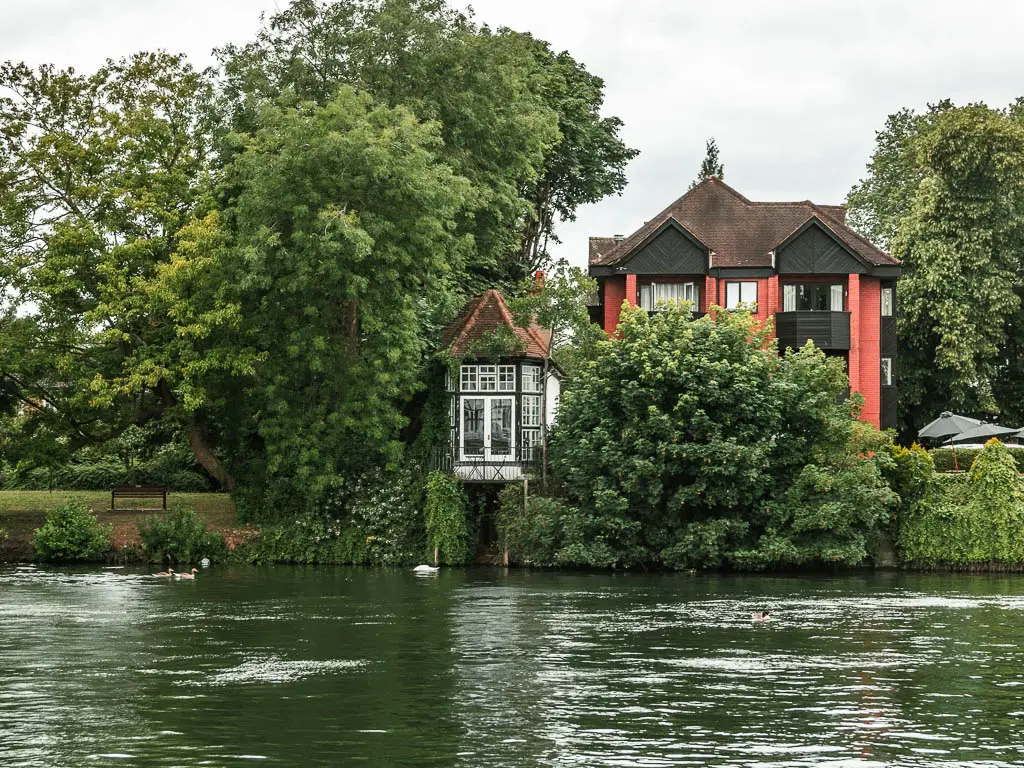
(487, 428)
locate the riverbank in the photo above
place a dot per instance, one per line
(22, 512)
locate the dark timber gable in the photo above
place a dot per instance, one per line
(671, 251)
(813, 250)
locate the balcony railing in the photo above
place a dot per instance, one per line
(523, 461)
(828, 330)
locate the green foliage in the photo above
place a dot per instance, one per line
(684, 420)
(969, 519)
(98, 173)
(71, 532)
(706, 544)
(550, 532)
(303, 303)
(711, 166)
(909, 474)
(943, 458)
(377, 520)
(180, 536)
(446, 507)
(944, 192)
(521, 123)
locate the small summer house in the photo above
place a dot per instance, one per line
(501, 404)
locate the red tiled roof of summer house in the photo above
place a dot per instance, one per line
(738, 231)
(486, 313)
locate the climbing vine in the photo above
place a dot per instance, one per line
(446, 507)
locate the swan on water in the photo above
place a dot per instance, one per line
(760, 616)
(191, 575)
(426, 569)
(165, 574)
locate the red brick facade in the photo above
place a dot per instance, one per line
(772, 244)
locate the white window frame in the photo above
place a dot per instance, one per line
(741, 288)
(531, 411)
(487, 378)
(487, 456)
(532, 378)
(888, 300)
(648, 291)
(886, 371)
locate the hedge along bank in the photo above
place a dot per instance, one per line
(969, 520)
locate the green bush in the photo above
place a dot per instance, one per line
(549, 532)
(445, 518)
(376, 520)
(969, 519)
(943, 458)
(71, 532)
(180, 536)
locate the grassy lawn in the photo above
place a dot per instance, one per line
(21, 512)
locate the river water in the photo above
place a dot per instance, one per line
(347, 666)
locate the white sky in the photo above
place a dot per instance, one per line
(792, 90)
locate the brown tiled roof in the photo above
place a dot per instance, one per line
(488, 312)
(739, 232)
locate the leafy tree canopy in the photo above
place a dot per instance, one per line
(521, 123)
(721, 450)
(944, 193)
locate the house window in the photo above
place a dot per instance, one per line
(740, 293)
(812, 297)
(652, 293)
(531, 443)
(488, 378)
(531, 410)
(531, 378)
(886, 371)
(888, 297)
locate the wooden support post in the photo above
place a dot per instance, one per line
(435, 557)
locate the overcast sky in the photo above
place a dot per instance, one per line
(792, 90)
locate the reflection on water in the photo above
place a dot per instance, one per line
(323, 667)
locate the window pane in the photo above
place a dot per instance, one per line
(487, 376)
(887, 371)
(887, 297)
(469, 380)
(531, 378)
(473, 426)
(531, 411)
(501, 426)
(647, 296)
(789, 298)
(531, 444)
(748, 293)
(507, 378)
(732, 295)
(836, 304)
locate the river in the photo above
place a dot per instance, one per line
(345, 666)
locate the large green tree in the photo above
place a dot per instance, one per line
(944, 193)
(301, 303)
(97, 174)
(521, 123)
(719, 448)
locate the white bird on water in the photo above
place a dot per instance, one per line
(191, 575)
(426, 569)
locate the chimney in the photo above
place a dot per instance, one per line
(619, 238)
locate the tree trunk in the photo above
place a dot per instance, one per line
(204, 455)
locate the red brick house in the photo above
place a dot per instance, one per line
(798, 263)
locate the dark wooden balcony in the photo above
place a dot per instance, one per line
(828, 330)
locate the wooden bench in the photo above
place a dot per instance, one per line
(137, 492)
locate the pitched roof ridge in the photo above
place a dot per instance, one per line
(715, 180)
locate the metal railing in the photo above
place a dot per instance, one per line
(523, 461)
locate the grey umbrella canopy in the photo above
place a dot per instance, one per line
(984, 432)
(948, 424)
